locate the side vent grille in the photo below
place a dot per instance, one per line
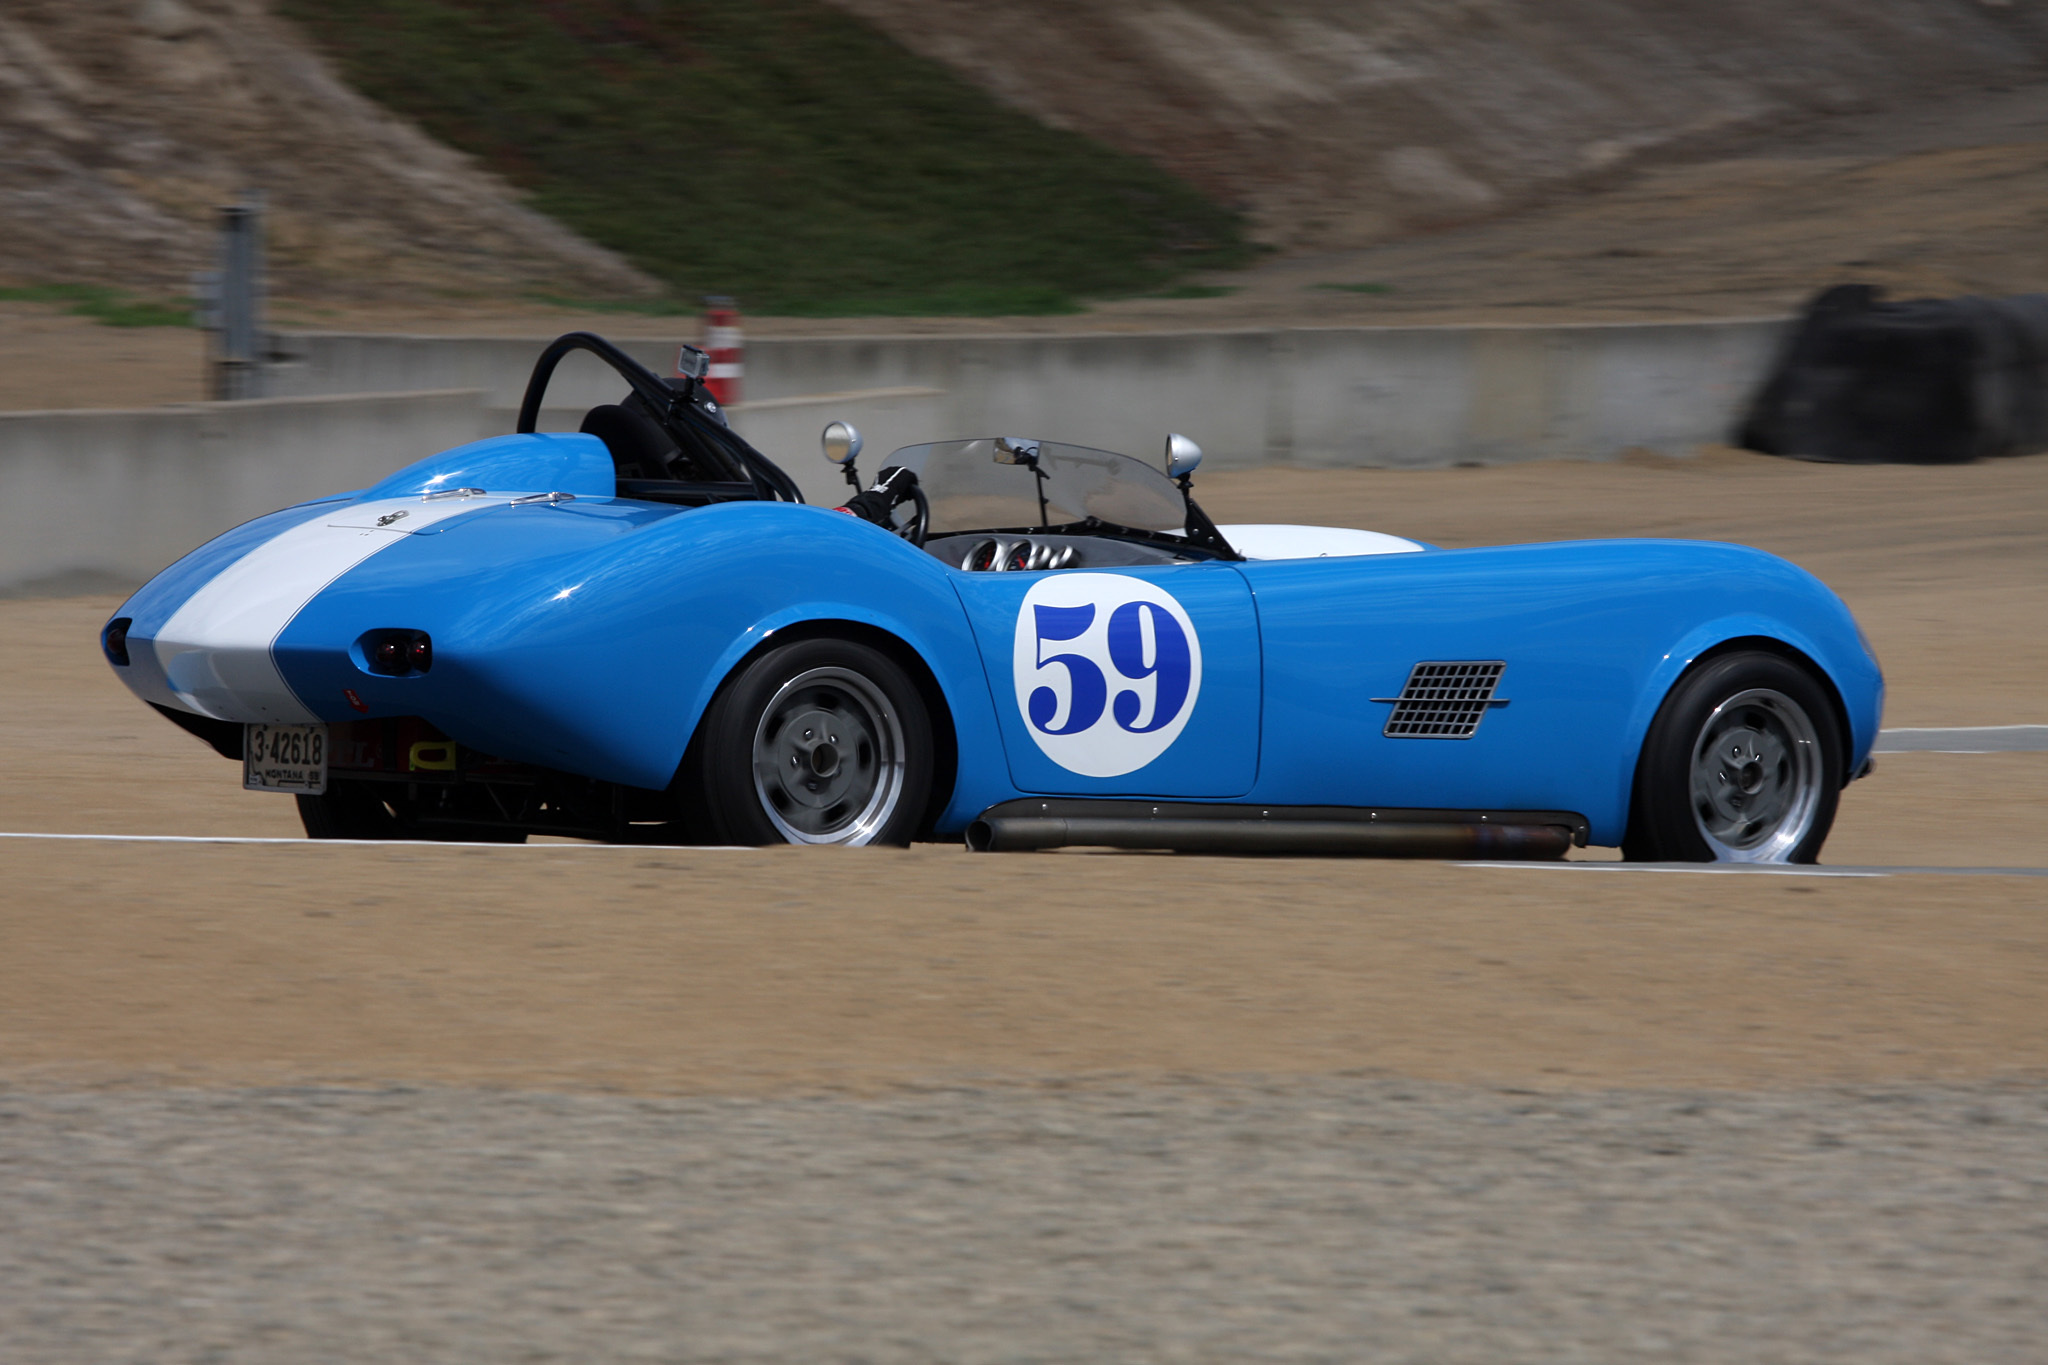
(1443, 700)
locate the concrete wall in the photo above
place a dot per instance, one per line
(106, 498)
(787, 431)
(1373, 396)
(112, 497)
(325, 363)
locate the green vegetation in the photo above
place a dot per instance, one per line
(109, 307)
(1368, 287)
(1195, 291)
(776, 150)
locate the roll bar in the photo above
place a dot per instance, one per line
(674, 404)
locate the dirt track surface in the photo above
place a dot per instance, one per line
(605, 1104)
(696, 971)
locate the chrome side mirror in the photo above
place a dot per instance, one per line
(841, 442)
(1009, 450)
(1183, 456)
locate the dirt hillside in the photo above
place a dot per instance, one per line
(1587, 156)
(124, 125)
(1340, 124)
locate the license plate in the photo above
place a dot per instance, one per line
(285, 758)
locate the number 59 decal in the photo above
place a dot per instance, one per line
(1107, 670)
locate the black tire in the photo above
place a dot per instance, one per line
(356, 810)
(819, 741)
(1743, 763)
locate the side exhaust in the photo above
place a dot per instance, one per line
(1300, 831)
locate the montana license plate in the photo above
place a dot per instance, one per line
(285, 758)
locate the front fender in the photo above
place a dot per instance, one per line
(1826, 635)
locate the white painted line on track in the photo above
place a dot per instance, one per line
(360, 843)
(1963, 739)
(1769, 869)
(1708, 869)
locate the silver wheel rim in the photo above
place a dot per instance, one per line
(828, 758)
(1756, 776)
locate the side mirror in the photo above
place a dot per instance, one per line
(841, 442)
(1009, 451)
(1183, 456)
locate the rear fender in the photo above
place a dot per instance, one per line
(591, 637)
(977, 783)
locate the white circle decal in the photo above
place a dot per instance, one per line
(1107, 671)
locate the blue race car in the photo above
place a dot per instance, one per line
(638, 632)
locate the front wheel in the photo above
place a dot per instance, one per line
(1743, 764)
(819, 741)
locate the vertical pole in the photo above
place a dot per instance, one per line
(238, 334)
(206, 317)
(726, 348)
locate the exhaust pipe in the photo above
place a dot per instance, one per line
(1020, 826)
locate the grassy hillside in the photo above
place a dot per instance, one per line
(776, 150)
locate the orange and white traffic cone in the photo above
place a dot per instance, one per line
(726, 348)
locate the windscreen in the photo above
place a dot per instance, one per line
(970, 490)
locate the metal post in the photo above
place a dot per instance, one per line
(238, 330)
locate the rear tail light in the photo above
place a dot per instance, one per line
(395, 653)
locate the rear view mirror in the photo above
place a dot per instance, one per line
(1182, 456)
(841, 441)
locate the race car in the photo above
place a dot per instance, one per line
(640, 632)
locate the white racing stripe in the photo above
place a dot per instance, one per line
(215, 649)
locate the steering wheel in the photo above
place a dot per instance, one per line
(920, 518)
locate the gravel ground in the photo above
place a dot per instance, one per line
(1344, 1219)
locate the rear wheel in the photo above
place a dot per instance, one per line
(819, 741)
(1743, 764)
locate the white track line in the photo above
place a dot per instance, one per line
(1709, 869)
(358, 843)
(1770, 869)
(1963, 739)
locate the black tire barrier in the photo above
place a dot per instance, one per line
(1918, 381)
